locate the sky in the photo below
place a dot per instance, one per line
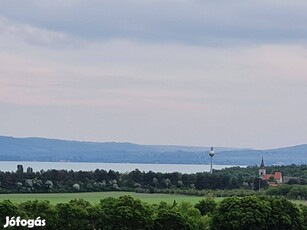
(184, 72)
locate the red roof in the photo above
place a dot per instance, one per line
(267, 176)
(276, 176)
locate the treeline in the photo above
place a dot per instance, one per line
(295, 192)
(250, 172)
(298, 192)
(102, 180)
(128, 213)
(140, 181)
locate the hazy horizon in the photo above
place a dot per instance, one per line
(190, 73)
(150, 144)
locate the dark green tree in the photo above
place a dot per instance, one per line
(240, 214)
(72, 216)
(125, 213)
(41, 209)
(284, 215)
(206, 206)
(303, 209)
(170, 220)
(7, 208)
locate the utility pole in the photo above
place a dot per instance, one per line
(211, 154)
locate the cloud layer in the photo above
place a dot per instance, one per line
(190, 22)
(157, 72)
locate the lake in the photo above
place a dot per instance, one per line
(120, 167)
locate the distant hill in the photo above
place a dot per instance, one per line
(42, 149)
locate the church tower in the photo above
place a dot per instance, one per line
(262, 170)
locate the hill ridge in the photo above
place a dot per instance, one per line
(48, 149)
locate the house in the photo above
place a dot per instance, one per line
(272, 179)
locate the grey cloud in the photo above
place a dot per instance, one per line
(35, 35)
(192, 22)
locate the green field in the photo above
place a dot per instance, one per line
(94, 197)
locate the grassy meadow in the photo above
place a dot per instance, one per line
(94, 197)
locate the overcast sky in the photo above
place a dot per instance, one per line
(194, 72)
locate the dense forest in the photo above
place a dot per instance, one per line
(227, 182)
(128, 213)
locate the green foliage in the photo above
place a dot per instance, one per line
(72, 216)
(42, 209)
(284, 214)
(235, 178)
(257, 213)
(7, 208)
(125, 213)
(290, 191)
(192, 215)
(303, 209)
(171, 220)
(245, 213)
(206, 206)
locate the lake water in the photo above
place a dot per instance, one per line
(120, 167)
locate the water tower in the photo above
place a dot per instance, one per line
(211, 154)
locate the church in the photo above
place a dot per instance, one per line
(272, 179)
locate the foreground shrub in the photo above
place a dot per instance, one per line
(125, 213)
(42, 209)
(7, 208)
(257, 213)
(206, 206)
(171, 220)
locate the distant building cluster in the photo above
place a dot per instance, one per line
(272, 179)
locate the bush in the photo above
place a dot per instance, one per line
(171, 220)
(206, 206)
(257, 213)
